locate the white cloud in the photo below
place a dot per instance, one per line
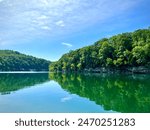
(45, 28)
(46, 2)
(60, 23)
(43, 17)
(67, 44)
(22, 19)
(66, 99)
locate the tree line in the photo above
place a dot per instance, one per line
(15, 61)
(118, 52)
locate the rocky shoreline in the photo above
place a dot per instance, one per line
(134, 70)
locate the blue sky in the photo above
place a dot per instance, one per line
(50, 28)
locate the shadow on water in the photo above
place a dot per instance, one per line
(10, 82)
(121, 93)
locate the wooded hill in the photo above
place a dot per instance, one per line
(122, 51)
(15, 61)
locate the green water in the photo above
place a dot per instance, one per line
(43, 92)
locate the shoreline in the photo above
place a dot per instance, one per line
(127, 70)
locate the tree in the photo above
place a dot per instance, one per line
(15, 61)
(120, 51)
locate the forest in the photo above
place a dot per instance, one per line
(125, 51)
(15, 61)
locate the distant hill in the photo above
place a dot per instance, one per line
(129, 51)
(15, 61)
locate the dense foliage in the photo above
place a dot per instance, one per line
(120, 51)
(121, 93)
(15, 61)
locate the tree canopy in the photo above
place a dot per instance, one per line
(120, 51)
(15, 61)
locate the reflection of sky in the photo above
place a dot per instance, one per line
(48, 97)
(53, 27)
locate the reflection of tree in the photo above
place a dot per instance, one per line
(114, 92)
(12, 82)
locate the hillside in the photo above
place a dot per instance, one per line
(124, 51)
(15, 61)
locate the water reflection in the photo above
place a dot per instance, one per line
(10, 82)
(121, 93)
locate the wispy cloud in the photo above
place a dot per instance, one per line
(22, 19)
(60, 23)
(67, 44)
(46, 28)
(66, 99)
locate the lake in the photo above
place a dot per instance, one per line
(77, 93)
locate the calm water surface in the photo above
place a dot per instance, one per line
(43, 92)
